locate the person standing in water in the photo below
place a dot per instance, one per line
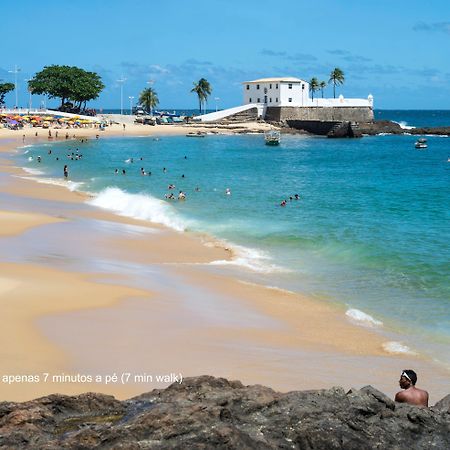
(66, 171)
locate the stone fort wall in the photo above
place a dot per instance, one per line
(334, 114)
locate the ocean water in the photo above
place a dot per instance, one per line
(415, 118)
(370, 231)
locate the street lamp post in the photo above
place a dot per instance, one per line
(15, 72)
(29, 99)
(217, 102)
(131, 104)
(121, 81)
(150, 83)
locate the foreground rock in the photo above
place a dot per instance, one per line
(207, 413)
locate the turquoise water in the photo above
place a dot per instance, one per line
(415, 117)
(369, 232)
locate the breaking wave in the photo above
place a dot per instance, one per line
(139, 206)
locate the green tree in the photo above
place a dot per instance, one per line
(313, 86)
(4, 89)
(336, 77)
(202, 89)
(87, 87)
(148, 98)
(322, 86)
(67, 83)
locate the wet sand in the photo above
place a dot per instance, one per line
(83, 291)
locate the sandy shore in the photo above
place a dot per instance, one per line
(86, 292)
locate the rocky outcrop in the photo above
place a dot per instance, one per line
(206, 413)
(385, 126)
(357, 129)
(344, 129)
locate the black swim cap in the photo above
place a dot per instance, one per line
(411, 375)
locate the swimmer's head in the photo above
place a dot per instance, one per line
(408, 376)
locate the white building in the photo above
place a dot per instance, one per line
(283, 98)
(294, 92)
(283, 91)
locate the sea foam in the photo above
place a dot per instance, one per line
(32, 171)
(361, 318)
(139, 206)
(397, 348)
(250, 258)
(404, 125)
(70, 185)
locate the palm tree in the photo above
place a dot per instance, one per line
(149, 99)
(336, 77)
(322, 86)
(313, 86)
(202, 89)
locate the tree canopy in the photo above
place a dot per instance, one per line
(336, 77)
(4, 89)
(148, 98)
(322, 86)
(202, 89)
(313, 86)
(67, 83)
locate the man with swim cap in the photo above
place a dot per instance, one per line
(410, 393)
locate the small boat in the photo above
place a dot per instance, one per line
(421, 143)
(272, 137)
(198, 134)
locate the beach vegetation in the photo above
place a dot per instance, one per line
(322, 86)
(68, 84)
(313, 86)
(203, 89)
(148, 98)
(4, 89)
(336, 77)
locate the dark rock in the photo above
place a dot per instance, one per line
(386, 126)
(444, 404)
(381, 126)
(207, 412)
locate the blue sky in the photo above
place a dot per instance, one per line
(399, 51)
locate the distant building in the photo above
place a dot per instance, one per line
(282, 91)
(287, 99)
(294, 92)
